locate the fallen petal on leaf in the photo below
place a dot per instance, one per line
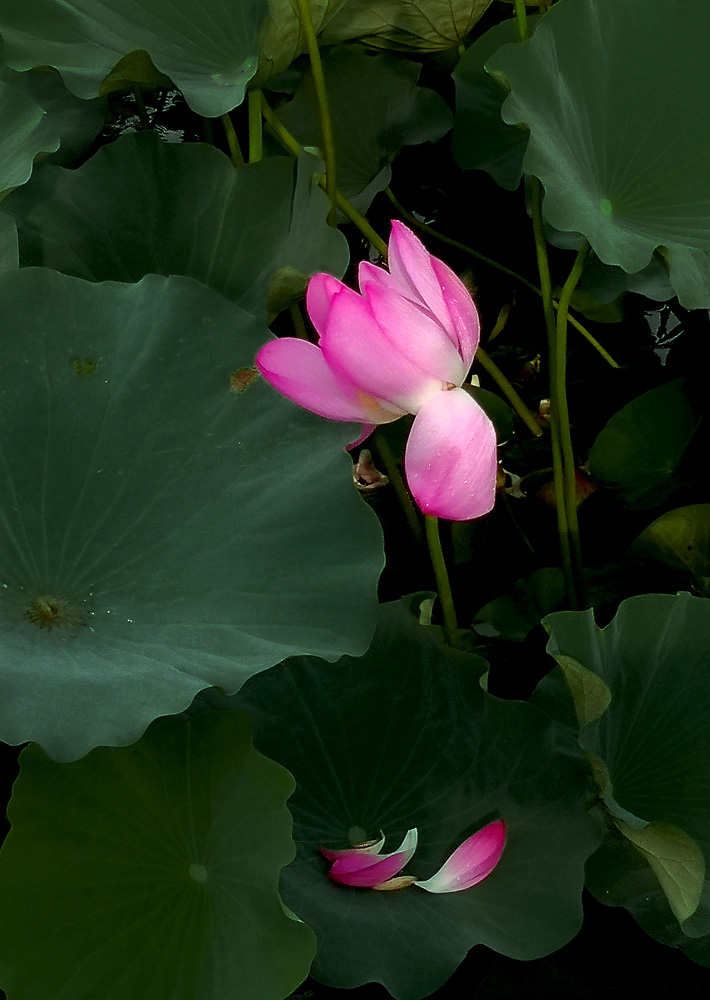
(471, 862)
(357, 867)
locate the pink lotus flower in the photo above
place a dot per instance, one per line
(471, 863)
(403, 345)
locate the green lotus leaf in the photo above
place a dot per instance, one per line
(158, 874)
(25, 131)
(481, 140)
(282, 35)
(76, 122)
(653, 737)
(376, 109)
(405, 737)
(420, 25)
(136, 68)
(640, 449)
(209, 49)
(122, 215)
(426, 25)
(513, 616)
(168, 521)
(675, 859)
(9, 259)
(622, 145)
(680, 538)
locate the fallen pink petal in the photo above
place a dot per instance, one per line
(359, 867)
(471, 862)
(369, 847)
(403, 344)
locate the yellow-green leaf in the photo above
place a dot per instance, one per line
(590, 694)
(676, 860)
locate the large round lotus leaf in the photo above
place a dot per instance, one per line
(652, 740)
(122, 215)
(614, 95)
(209, 48)
(76, 122)
(161, 530)
(157, 873)
(376, 108)
(641, 448)
(25, 130)
(481, 140)
(405, 737)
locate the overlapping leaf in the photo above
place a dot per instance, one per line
(158, 874)
(25, 130)
(481, 140)
(209, 49)
(424, 25)
(76, 122)
(405, 737)
(123, 215)
(420, 25)
(640, 450)
(622, 145)
(376, 108)
(649, 748)
(166, 524)
(680, 539)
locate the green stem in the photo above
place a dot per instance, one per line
(326, 127)
(143, 116)
(254, 113)
(282, 134)
(235, 152)
(559, 426)
(568, 463)
(291, 145)
(395, 477)
(299, 327)
(492, 369)
(360, 221)
(498, 267)
(521, 18)
(442, 579)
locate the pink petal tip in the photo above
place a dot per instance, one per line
(471, 862)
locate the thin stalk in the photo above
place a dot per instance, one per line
(235, 152)
(498, 267)
(560, 373)
(326, 127)
(492, 369)
(347, 208)
(299, 326)
(442, 579)
(291, 145)
(558, 428)
(254, 114)
(521, 18)
(281, 133)
(395, 477)
(143, 116)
